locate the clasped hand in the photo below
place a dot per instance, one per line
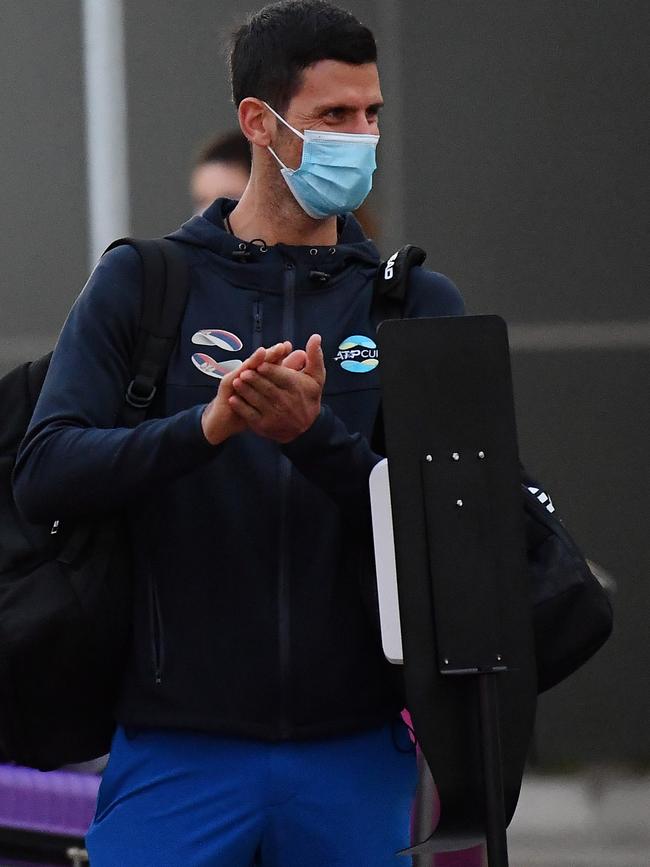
(276, 393)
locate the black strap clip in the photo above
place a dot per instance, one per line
(321, 276)
(135, 396)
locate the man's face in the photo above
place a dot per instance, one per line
(334, 96)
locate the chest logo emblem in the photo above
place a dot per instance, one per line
(358, 354)
(221, 339)
(217, 337)
(211, 367)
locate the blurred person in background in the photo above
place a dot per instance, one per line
(222, 168)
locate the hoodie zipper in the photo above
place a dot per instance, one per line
(257, 324)
(284, 611)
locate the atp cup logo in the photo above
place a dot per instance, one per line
(358, 354)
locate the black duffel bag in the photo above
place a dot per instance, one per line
(66, 590)
(572, 612)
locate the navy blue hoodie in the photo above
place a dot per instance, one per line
(252, 560)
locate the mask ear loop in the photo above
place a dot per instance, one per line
(286, 168)
(288, 125)
(282, 120)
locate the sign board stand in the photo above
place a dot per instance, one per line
(462, 585)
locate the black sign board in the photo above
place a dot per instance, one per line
(461, 567)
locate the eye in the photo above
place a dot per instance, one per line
(335, 113)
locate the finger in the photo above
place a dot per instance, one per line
(260, 355)
(296, 360)
(227, 380)
(261, 384)
(257, 398)
(253, 360)
(315, 365)
(279, 375)
(274, 353)
(277, 353)
(244, 410)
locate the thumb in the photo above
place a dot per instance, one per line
(315, 365)
(229, 378)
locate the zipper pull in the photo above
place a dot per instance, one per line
(55, 528)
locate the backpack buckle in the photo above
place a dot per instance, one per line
(139, 400)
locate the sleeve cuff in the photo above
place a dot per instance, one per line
(315, 437)
(188, 439)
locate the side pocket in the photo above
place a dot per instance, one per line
(156, 626)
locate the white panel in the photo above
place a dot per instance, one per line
(382, 528)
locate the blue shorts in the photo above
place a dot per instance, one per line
(187, 799)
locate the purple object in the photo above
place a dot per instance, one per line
(52, 802)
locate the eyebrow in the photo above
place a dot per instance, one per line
(320, 109)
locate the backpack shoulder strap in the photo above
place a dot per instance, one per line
(391, 283)
(165, 288)
(388, 302)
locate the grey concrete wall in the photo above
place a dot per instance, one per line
(42, 173)
(512, 150)
(527, 182)
(583, 421)
(526, 128)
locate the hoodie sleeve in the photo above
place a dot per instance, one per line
(73, 461)
(328, 454)
(432, 294)
(335, 460)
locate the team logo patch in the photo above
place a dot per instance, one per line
(358, 354)
(217, 369)
(222, 340)
(218, 337)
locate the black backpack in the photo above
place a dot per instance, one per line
(572, 613)
(66, 591)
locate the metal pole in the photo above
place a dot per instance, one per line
(391, 157)
(106, 129)
(495, 818)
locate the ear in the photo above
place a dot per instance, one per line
(257, 123)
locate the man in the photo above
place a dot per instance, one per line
(258, 716)
(222, 168)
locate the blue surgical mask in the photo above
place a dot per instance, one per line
(335, 173)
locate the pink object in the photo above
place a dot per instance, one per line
(463, 857)
(56, 802)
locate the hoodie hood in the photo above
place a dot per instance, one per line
(249, 263)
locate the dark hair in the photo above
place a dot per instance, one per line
(230, 147)
(277, 43)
